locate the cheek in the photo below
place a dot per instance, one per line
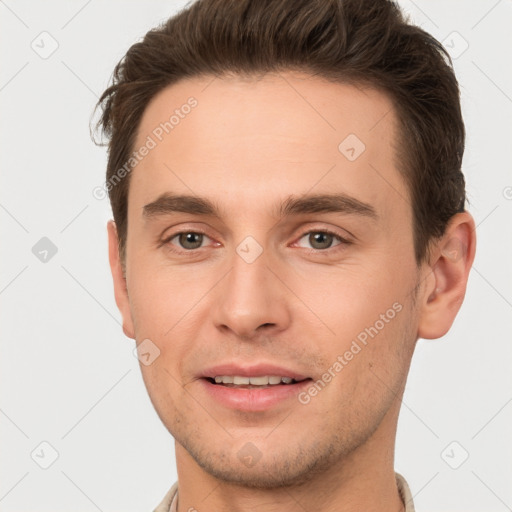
(345, 302)
(369, 364)
(368, 321)
(162, 299)
(167, 308)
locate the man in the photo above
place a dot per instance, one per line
(285, 178)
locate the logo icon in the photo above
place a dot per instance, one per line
(249, 455)
(455, 455)
(352, 147)
(249, 249)
(44, 455)
(44, 250)
(45, 45)
(455, 44)
(146, 352)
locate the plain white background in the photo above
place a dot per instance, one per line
(68, 374)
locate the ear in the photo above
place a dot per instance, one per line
(450, 263)
(120, 289)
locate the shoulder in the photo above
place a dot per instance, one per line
(405, 492)
(165, 504)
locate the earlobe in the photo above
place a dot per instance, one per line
(120, 289)
(452, 258)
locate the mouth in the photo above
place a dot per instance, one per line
(254, 394)
(255, 387)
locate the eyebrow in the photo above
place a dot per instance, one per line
(293, 205)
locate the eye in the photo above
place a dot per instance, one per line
(321, 240)
(188, 240)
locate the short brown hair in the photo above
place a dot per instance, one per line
(365, 42)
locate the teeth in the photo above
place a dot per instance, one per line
(257, 381)
(253, 381)
(225, 380)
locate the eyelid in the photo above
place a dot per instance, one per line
(317, 227)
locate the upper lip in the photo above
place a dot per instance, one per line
(250, 370)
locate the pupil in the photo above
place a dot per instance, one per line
(191, 240)
(324, 240)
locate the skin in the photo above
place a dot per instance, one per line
(247, 146)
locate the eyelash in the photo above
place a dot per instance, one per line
(329, 250)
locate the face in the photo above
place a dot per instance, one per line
(297, 253)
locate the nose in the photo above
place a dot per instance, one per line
(252, 300)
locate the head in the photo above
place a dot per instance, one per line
(285, 179)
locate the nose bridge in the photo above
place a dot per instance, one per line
(251, 296)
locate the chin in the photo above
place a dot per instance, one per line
(250, 468)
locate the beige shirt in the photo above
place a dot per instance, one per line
(170, 501)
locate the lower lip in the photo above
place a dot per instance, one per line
(253, 400)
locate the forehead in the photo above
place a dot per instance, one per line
(233, 136)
